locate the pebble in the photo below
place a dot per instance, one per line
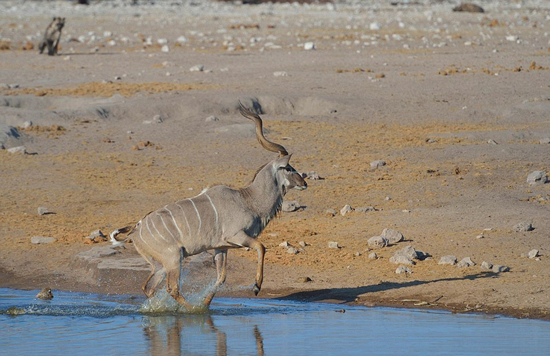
(211, 118)
(466, 262)
(447, 260)
(392, 236)
(97, 235)
(43, 210)
(402, 260)
(284, 244)
(372, 256)
(37, 240)
(365, 209)
(331, 213)
(377, 241)
(375, 26)
(533, 253)
(377, 164)
(536, 178)
(346, 209)
(333, 244)
(290, 206)
(486, 265)
(197, 68)
(523, 227)
(182, 40)
(292, 250)
(499, 269)
(302, 243)
(308, 46)
(280, 74)
(304, 279)
(544, 141)
(313, 175)
(165, 49)
(21, 150)
(403, 270)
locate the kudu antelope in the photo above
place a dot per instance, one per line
(220, 218)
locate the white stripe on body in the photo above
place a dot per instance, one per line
(185, 217)
(152, 222)
(198, 216)
(215, 211)
(175, 223)
(166, 227)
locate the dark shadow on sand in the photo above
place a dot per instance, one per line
(347, 295)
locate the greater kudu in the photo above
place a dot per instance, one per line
(219, 218)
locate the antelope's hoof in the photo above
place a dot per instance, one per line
(256, 289)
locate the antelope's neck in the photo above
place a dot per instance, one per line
(264, 196)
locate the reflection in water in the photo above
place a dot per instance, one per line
(172, 335)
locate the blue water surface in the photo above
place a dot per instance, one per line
(90, 324)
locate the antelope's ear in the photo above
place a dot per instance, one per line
(282, 161)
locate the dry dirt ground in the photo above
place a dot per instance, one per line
(419, 86)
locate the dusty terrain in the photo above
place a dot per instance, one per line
(455, 103)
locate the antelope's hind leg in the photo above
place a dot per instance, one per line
(220, 256)
(173, 271)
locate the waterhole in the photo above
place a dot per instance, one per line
(91, 324)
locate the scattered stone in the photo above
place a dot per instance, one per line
(331, 213)
(304, 279)
(377, 241)
(280, 74)
(408, 252)
(313, 176)
(27, 124)
(533, 253)
(403, 270)
(466, 262)
(346, 209)
(292, 250)
(284, 244)
(308, 46)
(45, 294)
(43, 210)
(372, 256)
(500, 269)
(21, 150)
(302, 243)
(486, 265)
(197, 68)
(544, 141)
(375, 26)
(492, 142)
(357, 254)
(182, 40)
(447, 260)
(537, 178)
(366, 209)
(290, 206)
(333, 244)
(377, 164)
(97, 235)
(523, 227)
(158, 119)
(392, 236)
(38, 240)
(211, 118)
(468, 7)
(165, 49)
(431, 140)
(401, 259)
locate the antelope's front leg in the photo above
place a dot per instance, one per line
(242, 239)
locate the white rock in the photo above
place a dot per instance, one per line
(197, 68)
(211, 118)
(292, 250)
(43, 210)
(392, 236)
(373, 256)
(402, 260)
(533, 253)
(333, 244)
(486, 265)
(466, 262)
(447, 260)
(165, 49)
(37, 240)
(523, 227)
(346, 209)
(377, 241)
(284, 244)
(308, 46)
(536, 178)
(500, 269)
(162, 41)
(290, 206)
(280, 74)
(377, 164)
(402, 270)
(375, 26)
(21, 150)
(182, 39)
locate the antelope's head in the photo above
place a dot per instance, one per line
(285, 174)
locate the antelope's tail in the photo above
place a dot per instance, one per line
(123, 230)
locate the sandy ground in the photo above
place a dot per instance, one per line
(455, 103)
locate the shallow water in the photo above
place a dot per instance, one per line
(85, 324)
